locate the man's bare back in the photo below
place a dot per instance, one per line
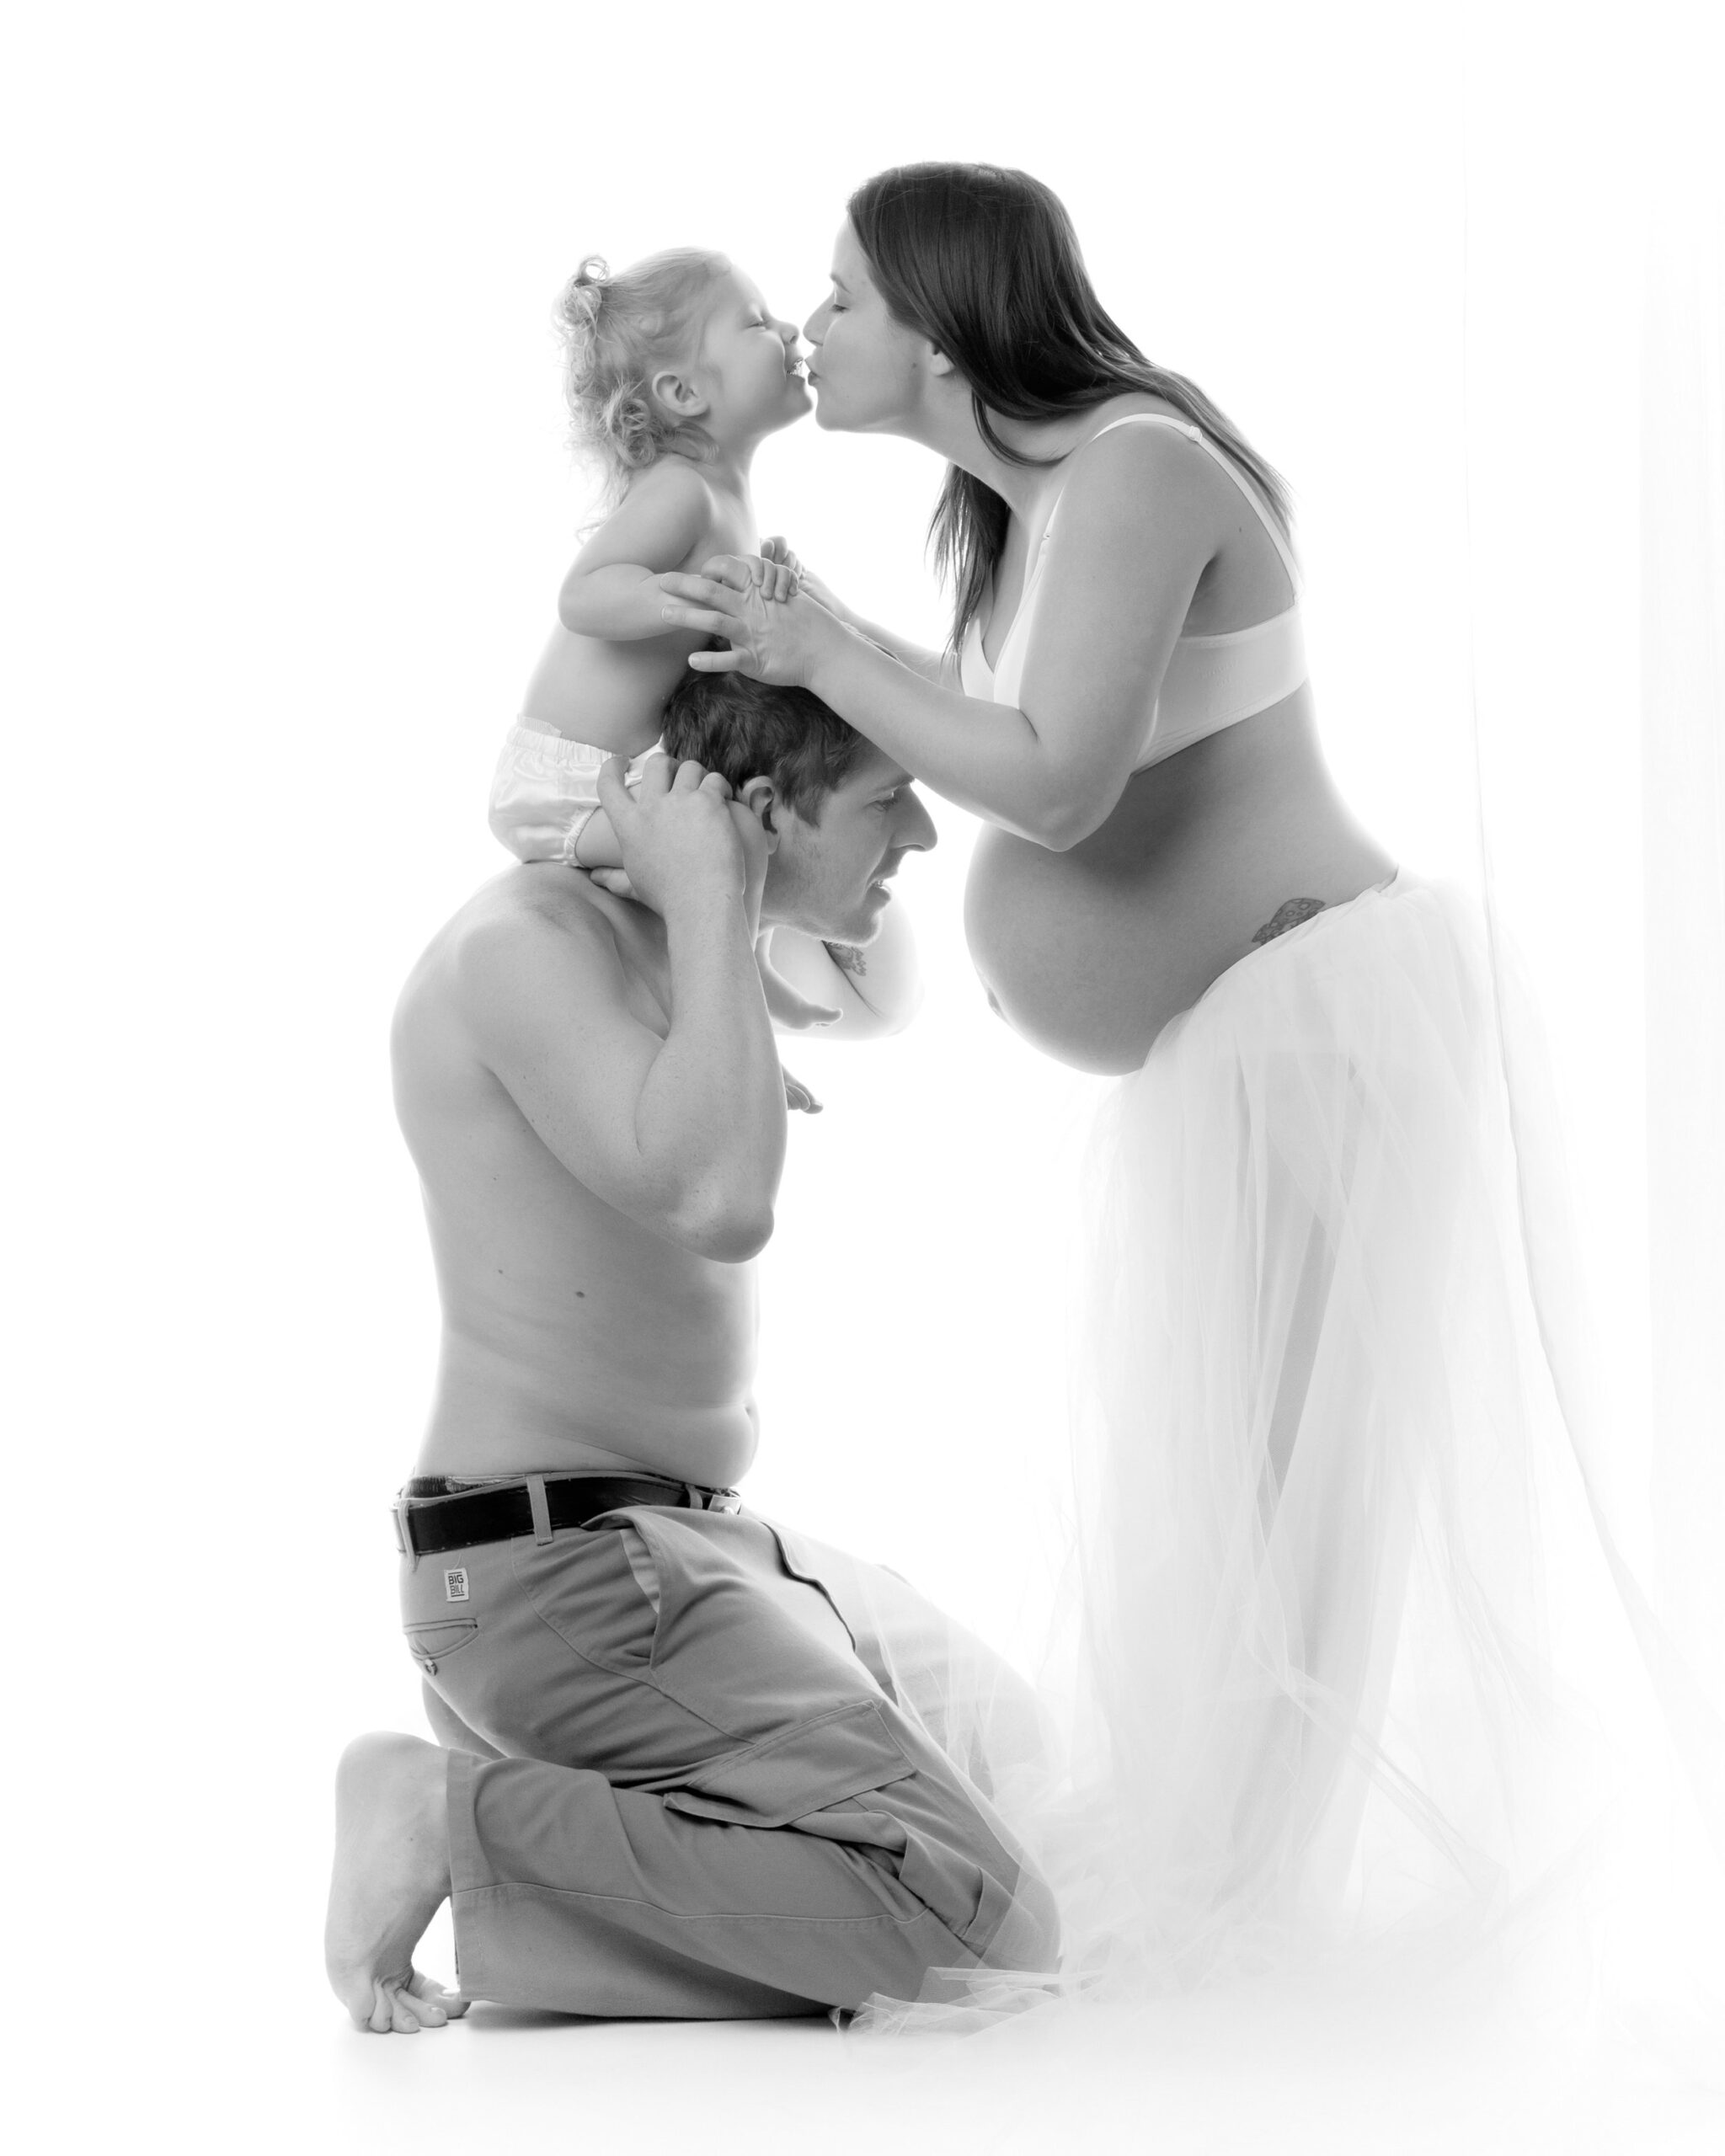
(573, 1336)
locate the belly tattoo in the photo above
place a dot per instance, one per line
(1288, 914)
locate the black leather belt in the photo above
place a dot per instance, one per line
(426, 1525)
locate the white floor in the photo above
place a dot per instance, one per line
(164, 1914)
(801, 2087)
(259, 2058)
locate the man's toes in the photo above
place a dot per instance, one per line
(359, 1996)
(403, 2020)
(381, 2021)
(427, 1992)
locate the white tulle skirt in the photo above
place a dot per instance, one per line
(1323, 1674)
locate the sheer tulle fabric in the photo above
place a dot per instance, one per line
(1301, 1690)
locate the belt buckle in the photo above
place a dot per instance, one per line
(723, 1500)
(399, 1521)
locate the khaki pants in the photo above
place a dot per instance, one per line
(685, 1780)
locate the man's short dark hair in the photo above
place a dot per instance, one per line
(750, 729)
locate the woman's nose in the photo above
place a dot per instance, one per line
(815, 323)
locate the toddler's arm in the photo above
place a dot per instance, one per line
(596, 843)
(613, 591)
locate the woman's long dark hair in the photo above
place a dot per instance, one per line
(983, 262)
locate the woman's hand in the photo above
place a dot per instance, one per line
(776, 640)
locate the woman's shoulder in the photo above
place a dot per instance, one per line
(1116, 464)
(1134, 426)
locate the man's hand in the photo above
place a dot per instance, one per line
(680, 836)
(752, 839)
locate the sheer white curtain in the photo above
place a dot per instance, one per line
(1595, 423)
(1683, 821)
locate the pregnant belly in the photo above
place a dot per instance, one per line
(1089, 953)
(1087, 966)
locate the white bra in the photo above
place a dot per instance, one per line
(1211, 681)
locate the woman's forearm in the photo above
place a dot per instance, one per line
(988, 758)
(936, 666)
(985, 756)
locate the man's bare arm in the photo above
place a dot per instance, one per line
(685, 1134)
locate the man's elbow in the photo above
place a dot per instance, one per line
(730, 1233)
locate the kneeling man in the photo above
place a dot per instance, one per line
(690, 1764)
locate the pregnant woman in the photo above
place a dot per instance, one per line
(1299, 1639)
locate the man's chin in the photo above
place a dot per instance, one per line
(859, 926)
(864, 925)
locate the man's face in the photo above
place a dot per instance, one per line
(830, 879)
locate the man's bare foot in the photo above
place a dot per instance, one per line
(391, 1876)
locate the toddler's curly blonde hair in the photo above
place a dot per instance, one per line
(617, 332)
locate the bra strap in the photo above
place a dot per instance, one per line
(1191, 428)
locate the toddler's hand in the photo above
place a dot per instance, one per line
(798, 1095)
(776, 550)
(777, 570)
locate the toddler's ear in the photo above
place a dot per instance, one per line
(760, 797)
(677, 394)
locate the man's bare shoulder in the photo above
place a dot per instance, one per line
(538, 931)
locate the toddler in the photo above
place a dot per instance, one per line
(676, 373)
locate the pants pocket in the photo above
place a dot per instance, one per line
(597, 1587)
(844, 1753)
(430, 1644)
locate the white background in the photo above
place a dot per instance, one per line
(291, 510)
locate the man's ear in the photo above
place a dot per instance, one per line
(760, 797)
(678, 395)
